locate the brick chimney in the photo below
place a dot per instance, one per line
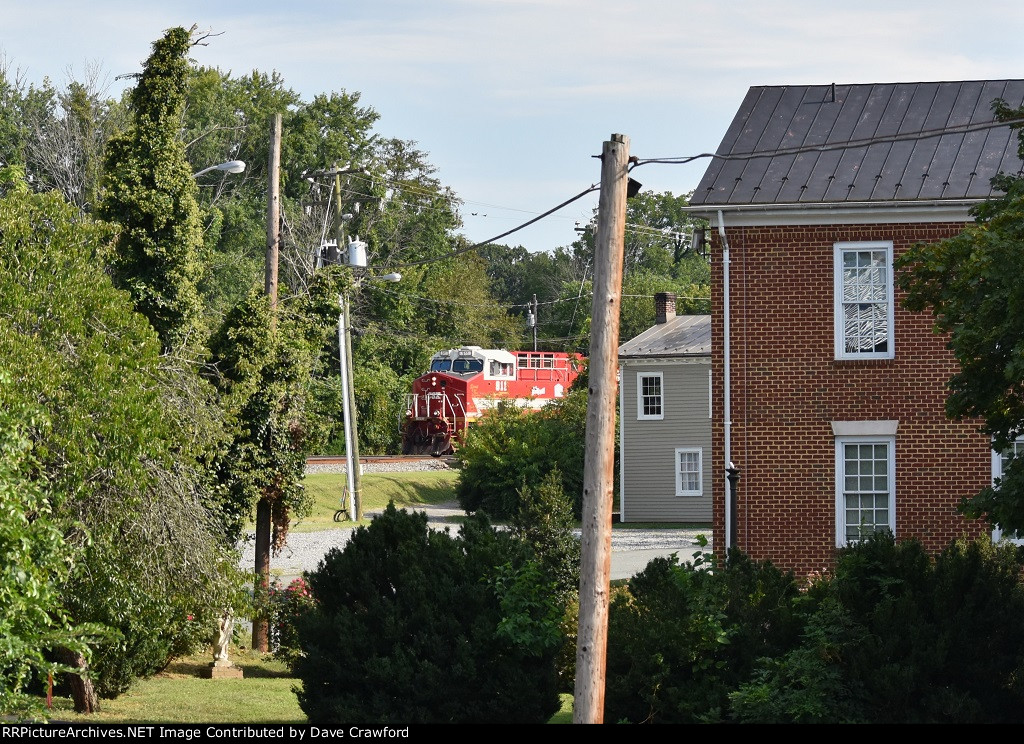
(664, 307)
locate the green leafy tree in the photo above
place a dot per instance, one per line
(264, 362)
(971, 284)
(35, 560)
(122, 458)
(150, 193)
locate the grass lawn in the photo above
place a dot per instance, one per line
(407, 489)
(179, 695)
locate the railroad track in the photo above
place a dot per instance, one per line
(379, 459)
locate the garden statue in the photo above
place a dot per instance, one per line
(222, 668)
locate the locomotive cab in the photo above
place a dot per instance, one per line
(463, 383)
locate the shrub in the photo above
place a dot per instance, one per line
(413, 625)
(287, 607)
(896, 637)
(683, 637)
(545, 522)
(510, 449)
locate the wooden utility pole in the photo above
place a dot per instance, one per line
(599, 462)
(260, 626)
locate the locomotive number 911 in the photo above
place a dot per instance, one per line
(464, 383)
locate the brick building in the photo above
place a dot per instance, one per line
(829, 396)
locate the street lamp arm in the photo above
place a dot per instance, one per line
(231, 166)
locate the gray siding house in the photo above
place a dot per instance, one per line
(665, 419)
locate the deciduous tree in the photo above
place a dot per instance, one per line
(972, 284)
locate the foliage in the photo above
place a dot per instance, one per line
(150, 193)
(684, 637)
(510, 449)
(287, 607)
(265, 361)
(417, 626)
(545, 521)
(898, 638)
(34, 561)
(120, 461)
(971, 285)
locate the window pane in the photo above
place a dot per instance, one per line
(866, 483)
(865, 301)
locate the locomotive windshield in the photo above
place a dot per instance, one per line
(441, 365)
(467, 365)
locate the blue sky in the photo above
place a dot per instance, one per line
(512, 98)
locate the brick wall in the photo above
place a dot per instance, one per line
(787, 388)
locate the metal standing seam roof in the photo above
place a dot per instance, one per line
(681, 336)
(872, 142)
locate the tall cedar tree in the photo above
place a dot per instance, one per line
(150, 192)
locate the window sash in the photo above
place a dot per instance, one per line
(863, 301)
(689, 471)
(999, 462)
(865, 488)
(650, 396)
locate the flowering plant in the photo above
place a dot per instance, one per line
(287, 606)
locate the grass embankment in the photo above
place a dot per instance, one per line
(409, 489)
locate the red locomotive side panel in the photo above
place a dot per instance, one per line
(464, 383)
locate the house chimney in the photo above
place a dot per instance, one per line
(664, 307)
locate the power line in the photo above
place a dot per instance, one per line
(846, 144)
(473, 247)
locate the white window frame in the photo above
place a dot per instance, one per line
(840, 328)
(681, 490)
(842, 440)
(640, 414)
(997, 472)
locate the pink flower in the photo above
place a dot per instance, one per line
(189, 617)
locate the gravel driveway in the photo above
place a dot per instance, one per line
(632, 548)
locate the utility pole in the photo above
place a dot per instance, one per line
(260, 626)
(533, 309)
(599, 461)
(354, 473)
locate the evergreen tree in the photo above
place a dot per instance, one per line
(150, 193)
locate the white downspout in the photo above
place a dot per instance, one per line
(726, 405)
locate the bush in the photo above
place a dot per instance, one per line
(417, 626)
(896, 637)
(286, 608)
(510, 449)
(545, 522)
(683, 637)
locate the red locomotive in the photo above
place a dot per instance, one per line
(464, 383)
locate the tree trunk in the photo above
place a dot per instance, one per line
(260, 626)
(82, 691)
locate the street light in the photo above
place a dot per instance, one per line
(231, 166)
(348, 404)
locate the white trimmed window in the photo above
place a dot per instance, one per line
(650, 403)
(999, 462)
(863, 300)
(865, 487)
(689, 467)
